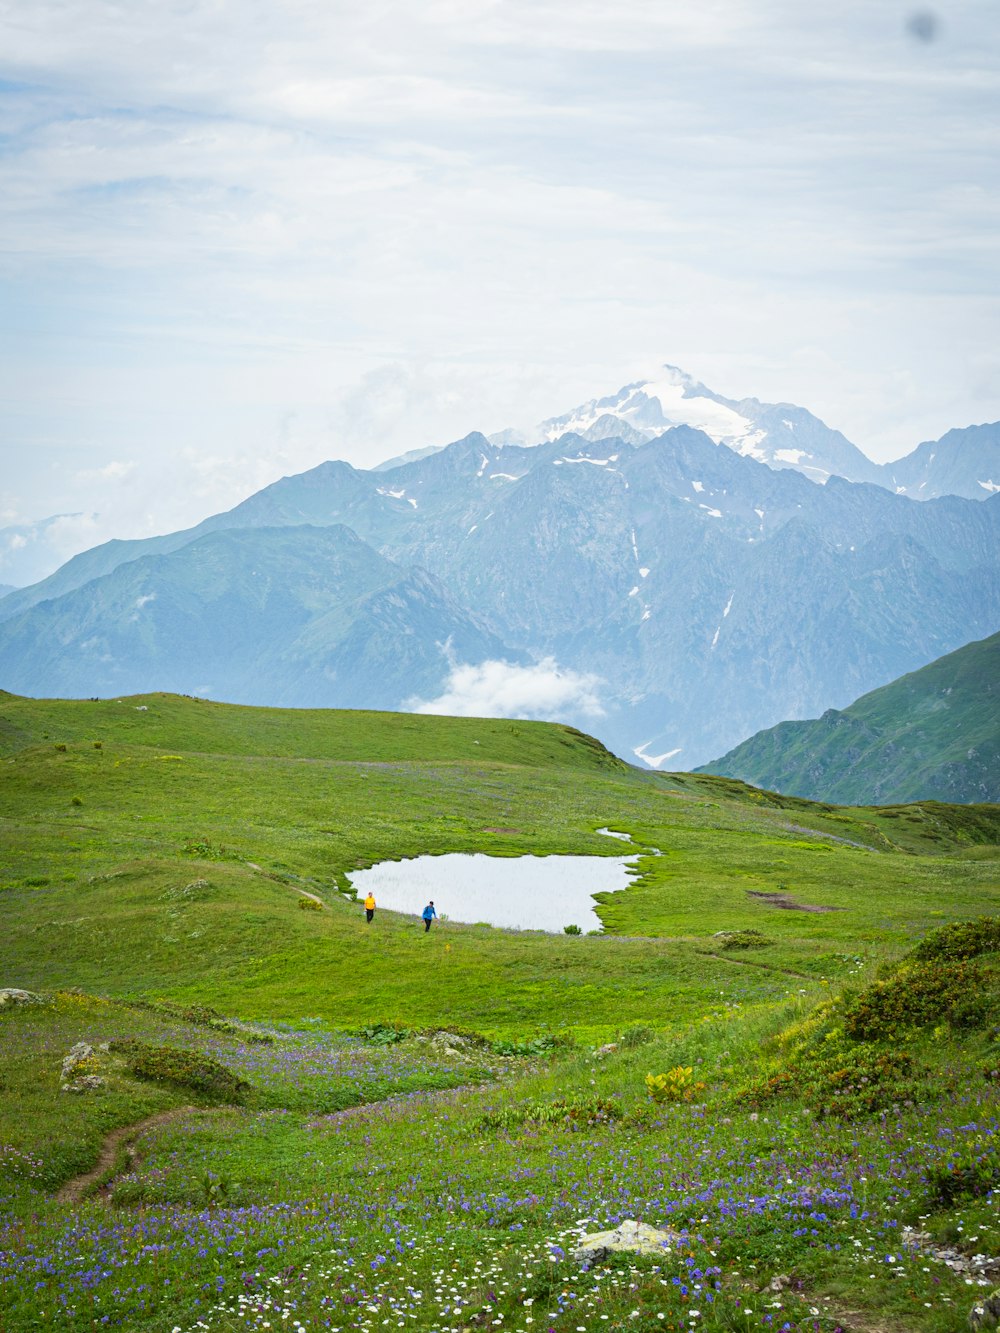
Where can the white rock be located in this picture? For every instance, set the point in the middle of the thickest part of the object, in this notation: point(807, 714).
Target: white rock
point(630, 1236)
point(10, 995)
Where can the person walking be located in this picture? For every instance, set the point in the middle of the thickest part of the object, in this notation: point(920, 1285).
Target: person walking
point(428, 914)
point(369, 907)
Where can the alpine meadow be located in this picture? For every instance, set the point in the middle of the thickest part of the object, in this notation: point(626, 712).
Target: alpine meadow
point(780, 1051)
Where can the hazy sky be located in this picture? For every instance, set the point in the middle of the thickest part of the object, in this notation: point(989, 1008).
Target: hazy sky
point(237, 238)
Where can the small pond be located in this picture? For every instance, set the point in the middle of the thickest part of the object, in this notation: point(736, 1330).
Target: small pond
point(520, 892)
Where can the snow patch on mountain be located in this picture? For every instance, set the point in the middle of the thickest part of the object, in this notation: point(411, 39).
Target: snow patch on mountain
point(396, 495)
point(651, 407)
point(653, 760)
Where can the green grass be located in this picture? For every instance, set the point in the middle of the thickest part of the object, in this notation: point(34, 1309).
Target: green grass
point(931, 733)
point(167, 866)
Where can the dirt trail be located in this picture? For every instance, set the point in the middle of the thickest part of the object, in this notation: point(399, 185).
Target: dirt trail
point(752, 962)
point(72, 1191)
point(833, 837)
point(304, 893)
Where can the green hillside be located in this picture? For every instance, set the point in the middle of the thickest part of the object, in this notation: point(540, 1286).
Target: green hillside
point(298, 1117)
point(932, 735)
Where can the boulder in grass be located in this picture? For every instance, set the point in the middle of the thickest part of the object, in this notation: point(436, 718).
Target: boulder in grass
point(628, 1237)
point(78, 1070)
point(10, 996)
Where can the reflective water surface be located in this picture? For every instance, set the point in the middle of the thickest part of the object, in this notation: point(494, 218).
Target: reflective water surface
point(526, 892)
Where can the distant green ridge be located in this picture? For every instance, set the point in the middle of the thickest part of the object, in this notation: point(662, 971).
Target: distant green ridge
point(934, 734)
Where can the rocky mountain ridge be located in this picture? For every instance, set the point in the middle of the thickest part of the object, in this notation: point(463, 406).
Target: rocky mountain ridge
point(702, 593)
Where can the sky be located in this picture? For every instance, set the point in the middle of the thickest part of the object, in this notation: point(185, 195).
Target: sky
point(238, 238)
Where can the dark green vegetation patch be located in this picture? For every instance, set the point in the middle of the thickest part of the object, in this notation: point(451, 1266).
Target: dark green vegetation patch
point(184, 1069)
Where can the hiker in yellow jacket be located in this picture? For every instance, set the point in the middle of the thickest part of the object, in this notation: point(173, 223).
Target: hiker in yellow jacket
point(369, 907)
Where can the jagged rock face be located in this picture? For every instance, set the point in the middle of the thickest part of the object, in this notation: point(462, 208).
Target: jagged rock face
point(711, 594)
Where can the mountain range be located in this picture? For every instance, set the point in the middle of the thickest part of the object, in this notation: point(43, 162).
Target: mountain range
point(680, 586)
point(932, 735)
point(963, 462)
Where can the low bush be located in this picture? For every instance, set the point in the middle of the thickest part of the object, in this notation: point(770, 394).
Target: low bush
point(843, 1079)
point(915, 997)
point(746, 939)
point(185, 1069)
point(961, 940)
point(210, 851)
point(674, 1086)
point(383, 1034)
point(970, 1172)
point(636, 1034)
point(543, 1044)
point(570, 1113)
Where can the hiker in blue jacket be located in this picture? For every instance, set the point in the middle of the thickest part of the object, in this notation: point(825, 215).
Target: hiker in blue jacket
point(428, 914)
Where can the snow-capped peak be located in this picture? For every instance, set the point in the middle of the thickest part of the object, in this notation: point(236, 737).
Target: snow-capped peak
point(671, 398)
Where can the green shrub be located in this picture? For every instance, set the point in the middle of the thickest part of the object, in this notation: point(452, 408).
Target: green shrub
point(76, 800)
point(185, 1069)
point(210, 851)
point(842, 1079)
point(569, 1113)
point(970, 1172)
point(526, 1047)
point(572, 930)
point(310, 905)
point(383, 1034)
point(636, 1034)
point(746, 939)
point(915, 997)
point(961, 939)
point(673, 1086)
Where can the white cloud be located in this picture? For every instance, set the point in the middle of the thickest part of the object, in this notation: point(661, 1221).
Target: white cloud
point(220, 216)
point(30, 551)
point(543, 692)
point(116, 470)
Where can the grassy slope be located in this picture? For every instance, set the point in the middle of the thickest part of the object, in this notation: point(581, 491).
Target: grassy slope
point(932, 734)
point(94, 890)
point(178, 874)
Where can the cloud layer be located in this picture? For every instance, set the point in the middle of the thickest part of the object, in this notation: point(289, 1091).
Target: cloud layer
point(268, 233)
point(542, 692)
